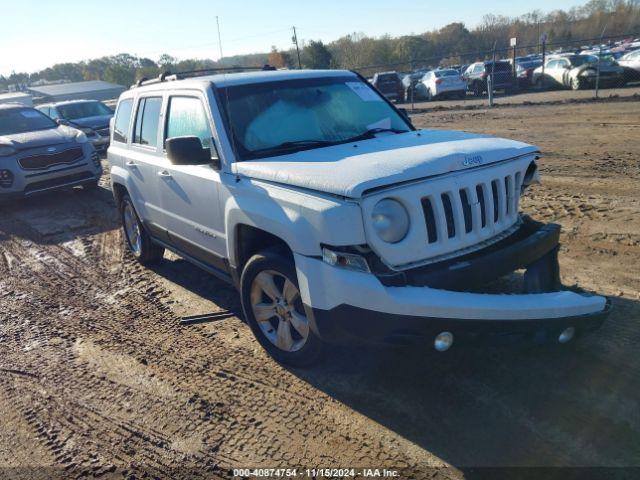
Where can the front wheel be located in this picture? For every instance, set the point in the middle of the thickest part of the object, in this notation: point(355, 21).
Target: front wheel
point(274, 311)
point(576, 84)
point(138, 240)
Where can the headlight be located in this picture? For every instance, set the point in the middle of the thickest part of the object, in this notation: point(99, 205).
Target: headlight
point(81, 137)
point(390, 220)
point(6, 150)
point(589, 73)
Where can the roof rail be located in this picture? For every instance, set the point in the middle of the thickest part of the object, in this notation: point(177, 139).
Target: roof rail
point(168, 76)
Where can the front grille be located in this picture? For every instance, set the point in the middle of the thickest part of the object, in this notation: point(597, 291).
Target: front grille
point(478, 210)
point(46, 160)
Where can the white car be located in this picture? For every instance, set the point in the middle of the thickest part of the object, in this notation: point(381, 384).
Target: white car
point(334, 217)
point(441, 83)
point(631, 64)
point(577, 72)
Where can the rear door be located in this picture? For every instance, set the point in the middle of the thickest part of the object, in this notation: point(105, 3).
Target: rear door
point(142, 161)
point(190, 192)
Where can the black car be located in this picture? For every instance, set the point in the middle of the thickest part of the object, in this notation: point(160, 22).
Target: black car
point(524, 71)
point(390, 85)
point(478, 73)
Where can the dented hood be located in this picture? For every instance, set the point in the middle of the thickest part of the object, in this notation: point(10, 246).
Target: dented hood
point(349, 170)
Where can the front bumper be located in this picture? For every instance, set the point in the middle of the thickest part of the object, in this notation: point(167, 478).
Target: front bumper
point(345, 306)
point(101, 144)
point(86, 171)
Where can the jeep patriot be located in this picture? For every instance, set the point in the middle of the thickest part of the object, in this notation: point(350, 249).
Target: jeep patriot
point(334, 217)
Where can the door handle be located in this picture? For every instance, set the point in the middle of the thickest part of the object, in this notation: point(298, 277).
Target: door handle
point(131, 164)
point(164, 174)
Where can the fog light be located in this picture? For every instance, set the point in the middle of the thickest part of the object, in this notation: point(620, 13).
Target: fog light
point(6, 178)
point(567, 335)
point(443, 341)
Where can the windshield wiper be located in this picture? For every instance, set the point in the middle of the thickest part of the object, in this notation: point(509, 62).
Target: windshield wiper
point(296, 145)
point(371, 133)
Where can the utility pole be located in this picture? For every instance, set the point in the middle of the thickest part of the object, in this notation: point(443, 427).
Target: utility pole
point(295, 42)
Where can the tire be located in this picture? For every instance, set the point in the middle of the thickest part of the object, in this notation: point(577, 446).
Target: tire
point(477, 89)
point(576, 84)
point(91, 186)
point(429, 95)
point(136, 237)
point(269, 288)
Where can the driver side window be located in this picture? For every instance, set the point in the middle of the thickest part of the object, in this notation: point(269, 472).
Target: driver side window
point(186, 116)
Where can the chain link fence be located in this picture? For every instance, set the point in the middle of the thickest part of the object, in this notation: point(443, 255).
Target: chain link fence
point(545, 72)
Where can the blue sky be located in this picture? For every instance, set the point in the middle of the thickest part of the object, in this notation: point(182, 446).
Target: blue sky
point(38, 33)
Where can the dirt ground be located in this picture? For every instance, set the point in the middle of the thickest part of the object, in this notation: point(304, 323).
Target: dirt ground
point(98, 378)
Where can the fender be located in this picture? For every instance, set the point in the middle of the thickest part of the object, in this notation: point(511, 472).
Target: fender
point(303, 220)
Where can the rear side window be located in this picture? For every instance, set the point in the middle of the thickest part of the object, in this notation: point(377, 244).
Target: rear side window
point(187, 117)
point(121, 125)
point(147, 120)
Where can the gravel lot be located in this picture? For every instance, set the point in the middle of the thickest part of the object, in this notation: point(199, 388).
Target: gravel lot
point(97, 377)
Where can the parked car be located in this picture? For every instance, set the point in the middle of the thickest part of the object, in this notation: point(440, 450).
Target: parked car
point(90, 116)
point(524, 72)
point(390, 85)
point(334, 217)
point(577, 72)
point(630, 62)
point(38, 155)
point(409, 82)
point(441, 83)
point(478, 73)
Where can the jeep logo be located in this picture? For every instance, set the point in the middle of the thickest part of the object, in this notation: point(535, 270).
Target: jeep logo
point(472, 161)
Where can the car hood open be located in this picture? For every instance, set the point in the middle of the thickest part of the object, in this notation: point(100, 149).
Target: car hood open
point(350, 170)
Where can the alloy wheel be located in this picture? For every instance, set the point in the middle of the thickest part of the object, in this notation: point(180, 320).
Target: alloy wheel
point(277, 308)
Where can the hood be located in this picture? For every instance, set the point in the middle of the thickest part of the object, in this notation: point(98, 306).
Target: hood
point(40, 138)
point(351, 169)
point(96, 123)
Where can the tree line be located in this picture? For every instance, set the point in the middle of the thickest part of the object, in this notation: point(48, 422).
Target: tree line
point(454, 43)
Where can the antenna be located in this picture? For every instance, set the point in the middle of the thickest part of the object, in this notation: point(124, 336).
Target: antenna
point(226, 94)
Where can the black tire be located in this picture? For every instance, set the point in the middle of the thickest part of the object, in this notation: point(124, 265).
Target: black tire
point(269, 262)
point(576, 84)
point(478, 90)
point(145, 251)
point(90, 186)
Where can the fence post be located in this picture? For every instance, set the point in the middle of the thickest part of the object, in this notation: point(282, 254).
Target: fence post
point(490, 79)
point(544, 60)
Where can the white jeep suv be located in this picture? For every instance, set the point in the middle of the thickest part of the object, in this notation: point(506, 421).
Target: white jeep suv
point(335, 218)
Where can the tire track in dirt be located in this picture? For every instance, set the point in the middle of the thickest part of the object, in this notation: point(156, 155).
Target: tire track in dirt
point(154, 341)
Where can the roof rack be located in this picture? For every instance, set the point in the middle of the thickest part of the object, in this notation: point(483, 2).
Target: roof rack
point(169, 77)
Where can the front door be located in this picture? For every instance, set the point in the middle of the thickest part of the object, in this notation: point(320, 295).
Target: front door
point(190, 193)
point(142, 163)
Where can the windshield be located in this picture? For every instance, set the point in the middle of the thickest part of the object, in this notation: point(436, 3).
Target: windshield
point(73, 111)
point(582, 59)
point(20, 120)
point(276, 118)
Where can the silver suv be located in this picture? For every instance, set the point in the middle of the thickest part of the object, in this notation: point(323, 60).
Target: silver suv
point(38, 155)
point(334, 217)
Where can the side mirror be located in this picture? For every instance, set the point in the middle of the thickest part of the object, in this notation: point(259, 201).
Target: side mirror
point(187, 151)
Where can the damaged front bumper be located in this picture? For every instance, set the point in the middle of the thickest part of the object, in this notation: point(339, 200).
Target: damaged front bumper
point(345, 306)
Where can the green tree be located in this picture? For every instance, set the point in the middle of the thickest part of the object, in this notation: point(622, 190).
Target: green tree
point(316, 55)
